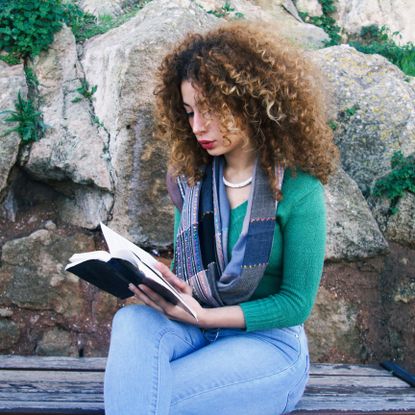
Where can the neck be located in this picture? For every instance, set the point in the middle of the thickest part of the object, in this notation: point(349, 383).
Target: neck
point(239, 165)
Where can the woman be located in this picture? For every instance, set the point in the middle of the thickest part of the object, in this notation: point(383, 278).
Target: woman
point(249, 150)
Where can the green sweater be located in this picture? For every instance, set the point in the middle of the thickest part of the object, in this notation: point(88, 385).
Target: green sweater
point(287, 291)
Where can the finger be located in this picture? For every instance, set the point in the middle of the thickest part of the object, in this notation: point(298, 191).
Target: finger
point(168, 308)
point(171, 277)
point(157, 298)
point(144, 298)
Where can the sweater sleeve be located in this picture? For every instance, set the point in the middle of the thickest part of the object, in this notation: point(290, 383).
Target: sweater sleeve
point(304, 236)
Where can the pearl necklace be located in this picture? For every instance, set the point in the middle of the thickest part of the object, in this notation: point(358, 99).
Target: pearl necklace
point(237, 185)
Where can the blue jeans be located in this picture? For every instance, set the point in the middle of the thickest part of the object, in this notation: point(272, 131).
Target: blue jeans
point(159, 366)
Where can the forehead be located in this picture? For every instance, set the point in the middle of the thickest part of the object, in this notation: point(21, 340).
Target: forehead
point(190, 92)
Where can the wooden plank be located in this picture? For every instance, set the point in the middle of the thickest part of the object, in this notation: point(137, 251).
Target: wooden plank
point(330, 369)
point(10, 362)
point(325, 402)
point(36, 376)
point(358, 381)
point(98, 363)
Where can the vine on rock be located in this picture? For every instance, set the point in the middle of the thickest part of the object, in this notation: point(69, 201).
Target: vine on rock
point(401, 179)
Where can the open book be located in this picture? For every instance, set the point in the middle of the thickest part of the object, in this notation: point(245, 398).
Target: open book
point(125, 263)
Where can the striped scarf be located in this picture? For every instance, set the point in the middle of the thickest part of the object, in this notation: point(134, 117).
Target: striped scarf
point(202, 238)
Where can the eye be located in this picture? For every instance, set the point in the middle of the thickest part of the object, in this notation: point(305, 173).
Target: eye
point(190, 114)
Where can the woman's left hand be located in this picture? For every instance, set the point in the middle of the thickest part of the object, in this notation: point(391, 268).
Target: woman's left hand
point(174, 312)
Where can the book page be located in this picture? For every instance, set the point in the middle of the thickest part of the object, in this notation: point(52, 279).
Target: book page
point(116, 242)
point(85, 256)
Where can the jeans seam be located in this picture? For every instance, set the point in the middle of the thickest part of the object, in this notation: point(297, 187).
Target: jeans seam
point(156, 367)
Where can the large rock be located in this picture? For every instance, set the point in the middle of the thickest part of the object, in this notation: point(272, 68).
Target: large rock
point(10, 334)
point(75, 148)
point(103, 7)
point(32, 274)
point(352, 232)
point(332, 328)
point(277, 14)
point(376, 111)
point(400, 226)
point(57, 342)
point(398, 15)
point(12, 80)
point(122, 63)
point(311, 7)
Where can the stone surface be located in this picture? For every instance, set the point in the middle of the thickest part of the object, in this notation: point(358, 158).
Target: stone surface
point(312, 7)
point(12, 80)
point(332, 326)
point(398, 15)
point(375, 111)
point(56, 342)
point(122, 63)
point(397, 281)
point(276, 14)
point(398, 227)
point(352, 232)
point(102, 7)
point(9, 334)
point(74, 149)
point(32, 273)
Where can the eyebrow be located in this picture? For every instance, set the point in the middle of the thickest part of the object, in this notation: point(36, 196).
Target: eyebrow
point(187, 105)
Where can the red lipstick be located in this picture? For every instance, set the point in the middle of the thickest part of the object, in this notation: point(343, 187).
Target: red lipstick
point(207, 144)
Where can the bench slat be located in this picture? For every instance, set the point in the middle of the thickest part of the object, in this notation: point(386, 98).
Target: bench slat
point(98, 364)
point(10, 362)
point(356, 403)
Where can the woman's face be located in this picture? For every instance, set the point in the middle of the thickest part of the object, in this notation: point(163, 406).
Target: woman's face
point(206, 127)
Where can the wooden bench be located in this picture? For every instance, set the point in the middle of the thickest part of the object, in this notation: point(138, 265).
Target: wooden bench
point(64, 385)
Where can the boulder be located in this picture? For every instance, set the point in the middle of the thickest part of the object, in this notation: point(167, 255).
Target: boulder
point(12, 80)
point(280, 15)
point(398, 15)
point(32, 274)
point(400, 226)
point(352, 232)
point(122, 63)
point(75, 146)
point(311, 7)
point(332, 328)
point(57, 342)
point(375, 111)
point(102, 7)
point(10, 334)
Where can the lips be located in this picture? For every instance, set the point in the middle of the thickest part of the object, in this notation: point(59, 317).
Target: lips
point(207, 144)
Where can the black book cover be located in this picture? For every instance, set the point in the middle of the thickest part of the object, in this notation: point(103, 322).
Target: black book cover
point(115, 275)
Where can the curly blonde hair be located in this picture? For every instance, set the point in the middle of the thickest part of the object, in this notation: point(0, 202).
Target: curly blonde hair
point(253, 80)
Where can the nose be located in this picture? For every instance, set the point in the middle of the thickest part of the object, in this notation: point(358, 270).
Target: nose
point(198, 123)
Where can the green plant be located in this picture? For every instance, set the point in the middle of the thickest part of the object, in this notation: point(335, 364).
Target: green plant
point(85, 25)
point(79, 21)
point(95, 120)
point(373, 39)
point(85, 91)
point(10, 59)
point(31, 79)
point(27, 26)
point(225, 11)
point(351, 110)
point(400, 179)
point(332, 124)
point(325, 21)
point(30, 124)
